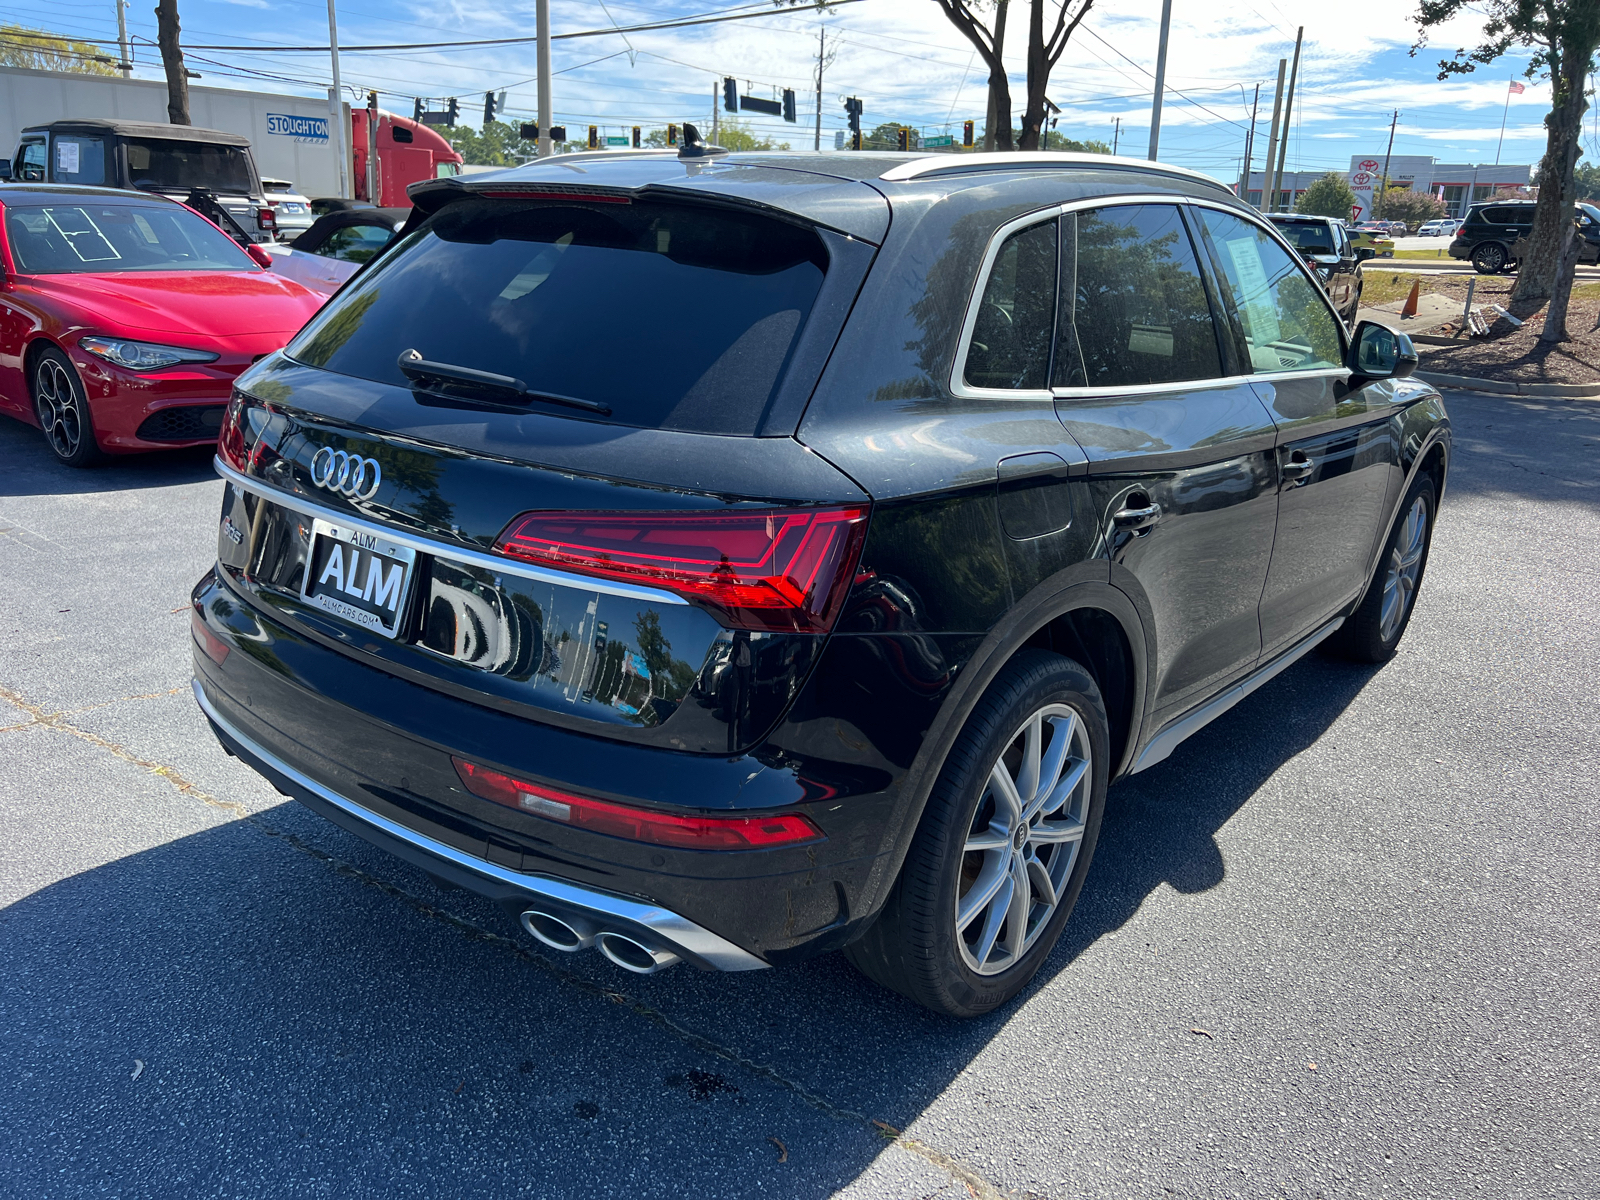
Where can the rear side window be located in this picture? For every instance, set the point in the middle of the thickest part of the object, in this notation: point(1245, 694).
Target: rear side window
point(79, 159)
point(672, 316)
point(1134, 309)
point(1010, 346)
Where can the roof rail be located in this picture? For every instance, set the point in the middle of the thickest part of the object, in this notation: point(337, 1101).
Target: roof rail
point(946, 164)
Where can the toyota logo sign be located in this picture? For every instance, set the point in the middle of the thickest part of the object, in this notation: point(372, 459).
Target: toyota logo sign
point(348, 474)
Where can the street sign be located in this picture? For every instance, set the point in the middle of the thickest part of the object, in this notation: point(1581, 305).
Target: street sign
point(943, 139)
point(617, 141)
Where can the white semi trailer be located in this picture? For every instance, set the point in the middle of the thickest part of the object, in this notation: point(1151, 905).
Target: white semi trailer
point(289, 135)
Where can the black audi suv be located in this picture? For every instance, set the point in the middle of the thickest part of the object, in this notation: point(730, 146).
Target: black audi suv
point(730, 558)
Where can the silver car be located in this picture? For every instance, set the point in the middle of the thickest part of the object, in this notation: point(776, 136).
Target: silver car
point(292, 209)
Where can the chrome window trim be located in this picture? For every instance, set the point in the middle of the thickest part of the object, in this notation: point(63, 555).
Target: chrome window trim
point(460, 554)
point(960, 388)
point(676, 930)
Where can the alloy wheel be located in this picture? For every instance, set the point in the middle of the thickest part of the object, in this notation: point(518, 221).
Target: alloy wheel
point(1024, 839)
point(57, 405)
point(1405, 565)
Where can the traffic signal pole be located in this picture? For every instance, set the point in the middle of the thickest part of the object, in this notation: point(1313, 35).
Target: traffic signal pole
point(1161, 79)
point(542, 16)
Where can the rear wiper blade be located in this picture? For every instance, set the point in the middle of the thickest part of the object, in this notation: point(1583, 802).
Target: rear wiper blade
point(431, 375)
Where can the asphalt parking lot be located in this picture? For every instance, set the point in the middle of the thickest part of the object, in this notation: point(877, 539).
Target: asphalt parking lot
point(1345, 942)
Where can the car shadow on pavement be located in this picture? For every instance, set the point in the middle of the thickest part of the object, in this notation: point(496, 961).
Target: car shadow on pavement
point(1551, 458)
point(28, 468)
point(272, 1007)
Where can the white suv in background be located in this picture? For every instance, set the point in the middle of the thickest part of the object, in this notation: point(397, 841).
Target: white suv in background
point(293, 210)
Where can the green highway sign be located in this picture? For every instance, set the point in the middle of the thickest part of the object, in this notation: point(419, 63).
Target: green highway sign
point(944, 139)
point(618, 141)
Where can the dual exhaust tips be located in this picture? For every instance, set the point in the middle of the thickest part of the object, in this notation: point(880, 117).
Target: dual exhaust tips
point(571, 934)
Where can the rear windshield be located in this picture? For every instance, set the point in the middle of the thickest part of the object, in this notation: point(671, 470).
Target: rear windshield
point(672, 316)
point(58, 239)
point(1304, 234)
point(159, 163)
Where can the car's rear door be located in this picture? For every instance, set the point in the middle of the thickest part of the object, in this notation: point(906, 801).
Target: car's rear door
point(1337, 447)
point(1180, 471)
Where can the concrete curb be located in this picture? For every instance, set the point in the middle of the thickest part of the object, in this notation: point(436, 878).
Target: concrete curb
point(1553, 391)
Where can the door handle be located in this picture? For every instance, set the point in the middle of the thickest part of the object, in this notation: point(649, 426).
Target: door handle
point(1136, 518)
point(1298, 469)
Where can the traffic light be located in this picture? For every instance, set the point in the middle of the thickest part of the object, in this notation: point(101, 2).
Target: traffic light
point(902, 138)
point(488, 107)
point(528, 131)
point(852, 108)
point(730, 94)
point(594, 137)
point(452, 112)
point(966, 133)
point(416, 111)
point(788, 105)
point(672, 135)
point(558, 133)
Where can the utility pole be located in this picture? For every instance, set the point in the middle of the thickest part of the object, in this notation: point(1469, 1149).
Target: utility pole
point(1249, 145)
point(824, 61)
point(1161, 78)
point(542, 65)
point(125, 64)
point(1272, 138)
point(1116, 134)
point(341, 127)
point(1384, 185)
point(1288, 108)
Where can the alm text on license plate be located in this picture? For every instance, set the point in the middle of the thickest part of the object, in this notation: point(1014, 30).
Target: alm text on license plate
point(357, 575)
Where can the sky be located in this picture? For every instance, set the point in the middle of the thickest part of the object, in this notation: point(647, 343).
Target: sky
point(904, 60)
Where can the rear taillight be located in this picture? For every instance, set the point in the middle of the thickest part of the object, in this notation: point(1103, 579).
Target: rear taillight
point(637, 824)
point(266, 218)
point(782, 570)
point(230, 442)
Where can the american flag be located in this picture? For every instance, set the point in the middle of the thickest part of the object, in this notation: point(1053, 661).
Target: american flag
point(1516, 88)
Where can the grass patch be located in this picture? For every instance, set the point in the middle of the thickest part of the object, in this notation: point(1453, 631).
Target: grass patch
point(1380, 287)
point(1441, 252)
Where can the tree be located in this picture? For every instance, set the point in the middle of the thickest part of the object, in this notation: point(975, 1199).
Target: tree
point(1060, 141)
point(737, 135)
point(497, 144)
point(989, 41)
point(42, 50)
point(1330, 196)
point(172, 58)
point(1588, 182)
point(1412, 207)
point(1563, 35)
point(1043, 54)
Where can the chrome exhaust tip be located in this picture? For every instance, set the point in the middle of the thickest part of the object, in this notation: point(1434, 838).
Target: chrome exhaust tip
point(559, 933)
point(635, 956)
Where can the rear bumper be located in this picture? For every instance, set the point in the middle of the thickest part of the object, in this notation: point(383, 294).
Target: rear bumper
point(372, 752)
point(649, 922)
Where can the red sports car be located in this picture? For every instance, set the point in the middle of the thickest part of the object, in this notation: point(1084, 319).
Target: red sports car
point(125, 317)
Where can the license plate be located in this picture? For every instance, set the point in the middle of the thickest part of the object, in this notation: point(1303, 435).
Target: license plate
point(358, 576)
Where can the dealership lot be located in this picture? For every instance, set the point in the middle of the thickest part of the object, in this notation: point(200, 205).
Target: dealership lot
point(1343, 943)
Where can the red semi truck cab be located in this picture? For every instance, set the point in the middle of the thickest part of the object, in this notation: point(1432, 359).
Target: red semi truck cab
point(408, 152)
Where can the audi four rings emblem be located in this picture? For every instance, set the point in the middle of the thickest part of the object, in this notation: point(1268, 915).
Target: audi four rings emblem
point(348, 474)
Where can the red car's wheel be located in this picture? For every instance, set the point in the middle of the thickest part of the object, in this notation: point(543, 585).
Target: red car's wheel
point(63, 410)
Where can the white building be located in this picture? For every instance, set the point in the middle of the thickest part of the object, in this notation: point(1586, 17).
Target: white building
point(1457, 184)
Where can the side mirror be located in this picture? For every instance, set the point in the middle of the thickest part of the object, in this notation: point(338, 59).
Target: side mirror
point(1378, 352)
point(1365, 252)
point(262, 258)
point(5, 168)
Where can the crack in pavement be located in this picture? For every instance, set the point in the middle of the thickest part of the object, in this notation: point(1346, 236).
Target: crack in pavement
point(977, 1186)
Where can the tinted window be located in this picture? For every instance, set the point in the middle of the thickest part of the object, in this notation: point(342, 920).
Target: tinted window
point(30, 168)
point(70, 238)
point(157, 162)
point(1010, 345)
point(1287, 324)
point(1312, 238)
point(355, 243)
point(79, 159)
point(674, 317)
point(1134, 309)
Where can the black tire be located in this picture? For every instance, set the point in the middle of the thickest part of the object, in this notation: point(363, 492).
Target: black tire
point(1489, 258)
point(62, 409)
point(915, 947)
point(1372, 633)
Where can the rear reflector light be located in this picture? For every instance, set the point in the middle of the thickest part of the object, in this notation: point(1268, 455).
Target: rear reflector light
point(230, 442)
point(215, 648)
point(637, 824)
point(783, 570)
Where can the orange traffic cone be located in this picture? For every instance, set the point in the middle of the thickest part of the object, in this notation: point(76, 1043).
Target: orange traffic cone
point(1409, 308)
